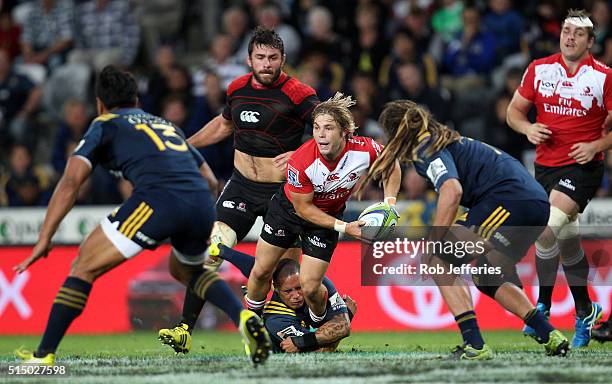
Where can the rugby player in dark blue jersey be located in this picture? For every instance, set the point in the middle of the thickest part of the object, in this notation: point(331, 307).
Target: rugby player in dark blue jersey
point(171, 200)
point(286, 315)
point(508, 210)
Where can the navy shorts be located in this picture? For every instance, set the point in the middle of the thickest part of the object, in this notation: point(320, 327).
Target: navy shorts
point(512, 226)
point(149, 217)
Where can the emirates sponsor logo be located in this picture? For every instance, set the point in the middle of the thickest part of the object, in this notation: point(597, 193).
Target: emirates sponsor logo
point(564, 111)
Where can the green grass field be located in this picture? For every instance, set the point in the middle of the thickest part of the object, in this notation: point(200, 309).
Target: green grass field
point(363, 358)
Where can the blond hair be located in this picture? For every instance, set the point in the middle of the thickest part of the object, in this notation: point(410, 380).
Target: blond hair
point(338, 108)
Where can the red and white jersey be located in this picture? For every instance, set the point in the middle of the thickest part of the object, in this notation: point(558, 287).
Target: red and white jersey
point(573, 107)
point(331, 182)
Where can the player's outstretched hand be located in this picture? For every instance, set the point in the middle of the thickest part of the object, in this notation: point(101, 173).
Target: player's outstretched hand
point(41, 249)
point(280, 161)
point(288, 346)
point(538, 133)
point(353, 229)
point(583, 152)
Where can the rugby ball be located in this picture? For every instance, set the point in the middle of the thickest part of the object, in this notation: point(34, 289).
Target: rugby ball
point(379, 219)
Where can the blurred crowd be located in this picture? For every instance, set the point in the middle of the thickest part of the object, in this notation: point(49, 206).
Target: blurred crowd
point(461, 59)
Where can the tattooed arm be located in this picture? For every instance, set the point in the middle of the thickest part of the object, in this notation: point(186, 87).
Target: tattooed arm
point(334, 330)
point(326, 338)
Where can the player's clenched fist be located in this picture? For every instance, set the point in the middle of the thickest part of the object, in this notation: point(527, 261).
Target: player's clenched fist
point(289, 346)
point(353, 229)
point(537, 133)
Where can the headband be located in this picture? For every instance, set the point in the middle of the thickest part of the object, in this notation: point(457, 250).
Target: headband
point(579, 21)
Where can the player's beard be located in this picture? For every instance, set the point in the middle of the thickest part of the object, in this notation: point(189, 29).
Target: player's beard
point(261, 81)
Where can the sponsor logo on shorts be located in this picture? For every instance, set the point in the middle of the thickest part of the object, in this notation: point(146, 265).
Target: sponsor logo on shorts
point(249, 116)
point(502, 239)
point(229, 204)
point(289, 331)
point(293, 177)
point(241, 207)
point(316, 241)
point(567, 183)
point(268, 228)
point(142, 237)
point(280, 233)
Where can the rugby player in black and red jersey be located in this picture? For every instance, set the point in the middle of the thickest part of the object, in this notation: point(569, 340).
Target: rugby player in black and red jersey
point(267, 111)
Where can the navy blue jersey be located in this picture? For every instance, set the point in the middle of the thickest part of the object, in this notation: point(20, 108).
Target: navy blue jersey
point(483, 171)
point(282, 321)
point(145, 149)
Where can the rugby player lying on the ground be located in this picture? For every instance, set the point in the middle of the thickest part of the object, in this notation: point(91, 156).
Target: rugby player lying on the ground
point(286, 315)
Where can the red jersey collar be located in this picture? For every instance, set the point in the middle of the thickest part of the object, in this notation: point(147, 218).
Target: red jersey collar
point(283, 76)
point(587, 60)
point(331, 165)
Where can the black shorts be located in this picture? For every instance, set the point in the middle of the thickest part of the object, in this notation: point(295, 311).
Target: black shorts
point(242, 200)
point(149, 217)
point(283, 227)
point(579, 181)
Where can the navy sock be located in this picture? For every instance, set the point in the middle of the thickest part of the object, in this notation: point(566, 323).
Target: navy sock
point(538, 322)
point(244, 262)
point(210, 287)
point(469, 329)
point(192, 306)
point(67, 306)
point(547, 274)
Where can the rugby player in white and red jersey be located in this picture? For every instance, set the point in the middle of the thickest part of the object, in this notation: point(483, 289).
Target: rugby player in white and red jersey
point(321, 176)
point(572, 93)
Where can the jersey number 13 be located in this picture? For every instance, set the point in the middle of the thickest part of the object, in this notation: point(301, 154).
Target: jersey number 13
point(164, 136)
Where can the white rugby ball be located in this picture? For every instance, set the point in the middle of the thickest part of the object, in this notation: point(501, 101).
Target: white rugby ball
point(380, 220)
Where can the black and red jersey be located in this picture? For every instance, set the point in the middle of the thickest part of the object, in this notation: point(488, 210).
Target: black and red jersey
point(270, 120)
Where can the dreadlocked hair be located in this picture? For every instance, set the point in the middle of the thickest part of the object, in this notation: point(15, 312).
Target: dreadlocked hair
point(338, 108)
point(409, 127)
